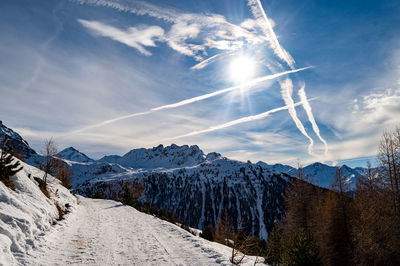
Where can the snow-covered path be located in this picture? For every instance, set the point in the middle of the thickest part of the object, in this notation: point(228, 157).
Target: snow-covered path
point(103, 232)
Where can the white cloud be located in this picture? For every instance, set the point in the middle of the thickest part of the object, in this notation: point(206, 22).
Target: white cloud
point(136, 37)
point(190, 34)
point(380, 107)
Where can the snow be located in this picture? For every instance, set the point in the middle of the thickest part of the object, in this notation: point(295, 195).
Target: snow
point(26, 213)
point(105, 232)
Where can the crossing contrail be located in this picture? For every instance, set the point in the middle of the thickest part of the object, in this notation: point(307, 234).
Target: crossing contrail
point(287, 90)
point(211, 59)
point(259, 13)
point(192, 100)
point(239, 121)
point(307, 108)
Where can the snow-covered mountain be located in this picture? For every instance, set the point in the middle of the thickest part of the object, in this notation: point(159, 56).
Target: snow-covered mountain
point(323, 175)
point(71, 154)
point(173, 156)
point(318, 173)
point(279, 168)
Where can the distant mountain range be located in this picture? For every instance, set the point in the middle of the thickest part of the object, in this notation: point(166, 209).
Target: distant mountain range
point(198, 187)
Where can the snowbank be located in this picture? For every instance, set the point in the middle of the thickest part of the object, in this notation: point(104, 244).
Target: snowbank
point(26, 213)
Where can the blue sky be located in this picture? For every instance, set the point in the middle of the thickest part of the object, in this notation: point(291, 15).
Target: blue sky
point(76, 70)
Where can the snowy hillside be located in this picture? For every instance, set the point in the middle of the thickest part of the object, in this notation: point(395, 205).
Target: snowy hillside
point(26, 214)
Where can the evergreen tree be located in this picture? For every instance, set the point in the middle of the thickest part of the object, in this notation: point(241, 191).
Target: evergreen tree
point(299, 248)
point(8, 168)
point(208, 233)
point(274, 248)
point(333, 229)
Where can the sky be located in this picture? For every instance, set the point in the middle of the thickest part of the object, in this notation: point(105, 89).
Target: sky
point(281, 81)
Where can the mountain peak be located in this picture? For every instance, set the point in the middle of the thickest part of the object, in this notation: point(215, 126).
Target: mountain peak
point(213, 156)
point(72, 154)
point(161, 156)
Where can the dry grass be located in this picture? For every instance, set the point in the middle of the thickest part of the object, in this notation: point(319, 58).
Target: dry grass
point(61, 212)
point(42, 186)
point(9, 183)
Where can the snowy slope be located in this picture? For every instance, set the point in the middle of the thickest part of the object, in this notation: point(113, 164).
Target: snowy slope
point(26, 213)
point(103, 232)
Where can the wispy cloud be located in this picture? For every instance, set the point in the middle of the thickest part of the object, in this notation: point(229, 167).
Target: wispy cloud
point(190, 34)
point(380, 107)
point(136, 37)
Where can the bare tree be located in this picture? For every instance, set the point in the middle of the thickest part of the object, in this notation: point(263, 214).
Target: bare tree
point(64, 174)
point(299, 199)
point(388, 157)
point(50, 164)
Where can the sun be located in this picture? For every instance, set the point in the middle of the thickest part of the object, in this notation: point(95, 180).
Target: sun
point(241, 69)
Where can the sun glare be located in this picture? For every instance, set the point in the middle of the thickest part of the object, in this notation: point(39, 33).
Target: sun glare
point(241, 69)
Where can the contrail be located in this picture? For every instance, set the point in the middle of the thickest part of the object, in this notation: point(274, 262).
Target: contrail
point(239, 121)
point(108, 122)
point(192, 100)
point(258, 12)
point(307, 108)
point(287, 90)
point(209, 60)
